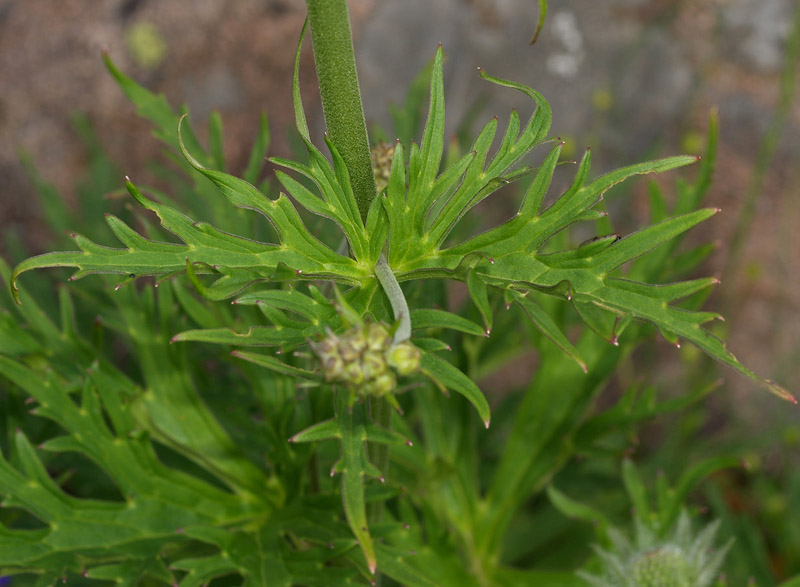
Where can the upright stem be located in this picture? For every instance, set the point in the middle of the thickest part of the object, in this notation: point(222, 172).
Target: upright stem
point(341, 96)
point(344, 118)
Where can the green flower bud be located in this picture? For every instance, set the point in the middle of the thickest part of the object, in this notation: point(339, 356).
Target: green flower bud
point(377, 337)
point(374, 364)
point(382, 385)
point(327, 345)
point(351, 349)
point(381, 156)
point(354, 373)
point(681, 559)
point(404, 358)
point(334, 368)
point(666, 566)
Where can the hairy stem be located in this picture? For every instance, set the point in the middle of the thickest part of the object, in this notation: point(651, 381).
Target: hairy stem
point(341, 96)
point(344, 119)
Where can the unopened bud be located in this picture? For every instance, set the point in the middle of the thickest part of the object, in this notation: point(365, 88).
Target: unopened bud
point(404, 358)
point(374, 364)
point(377, 337)
point(382, 385)
point(354, 373)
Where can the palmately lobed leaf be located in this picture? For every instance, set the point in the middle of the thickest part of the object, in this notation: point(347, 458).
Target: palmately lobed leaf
point(511, 256)
point(205, 246)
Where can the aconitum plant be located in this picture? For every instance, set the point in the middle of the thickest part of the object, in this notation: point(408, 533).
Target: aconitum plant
point(251, 349)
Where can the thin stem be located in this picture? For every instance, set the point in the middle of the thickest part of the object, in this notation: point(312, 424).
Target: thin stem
point(396, 298)
point(341, 96)
point(380, 409)
point(381, 413)
point(347, 129)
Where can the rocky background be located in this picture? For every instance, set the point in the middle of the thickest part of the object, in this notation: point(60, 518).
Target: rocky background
point(633, 79)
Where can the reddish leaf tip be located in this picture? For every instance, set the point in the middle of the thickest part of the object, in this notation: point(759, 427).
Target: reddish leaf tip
point(174, 339)
point(486, 424)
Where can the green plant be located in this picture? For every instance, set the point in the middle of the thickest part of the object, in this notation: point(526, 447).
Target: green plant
point(194, 489)
point(664, 551)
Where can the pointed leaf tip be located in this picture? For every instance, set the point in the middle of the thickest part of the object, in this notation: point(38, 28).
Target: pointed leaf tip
point(780, 391)
point(486, 424)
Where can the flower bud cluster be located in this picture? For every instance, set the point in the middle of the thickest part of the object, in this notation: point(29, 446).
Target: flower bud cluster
point(667, 565)
point(365, 360)
point(382, 155)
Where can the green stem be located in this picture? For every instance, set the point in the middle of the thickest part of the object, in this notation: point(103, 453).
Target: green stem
point(392, 289)
point(380, 409)
point(347, 129)
point(341, 96)
point(381, 413)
